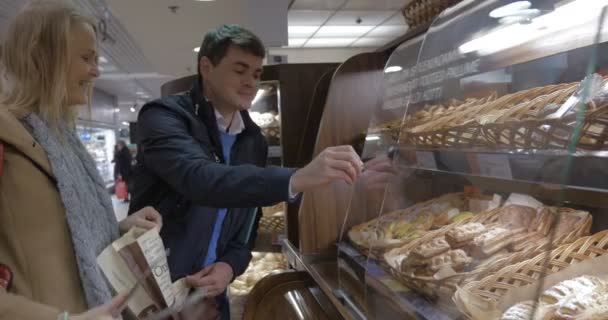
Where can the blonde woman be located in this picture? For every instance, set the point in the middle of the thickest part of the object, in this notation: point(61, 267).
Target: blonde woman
point(55, 214)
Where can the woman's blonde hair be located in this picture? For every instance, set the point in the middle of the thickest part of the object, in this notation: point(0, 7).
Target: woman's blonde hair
point(35, 61)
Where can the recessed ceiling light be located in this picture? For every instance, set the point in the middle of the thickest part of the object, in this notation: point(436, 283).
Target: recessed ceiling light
point(343, 31)
point(372, 137)
point(133, 109)
point(301, 31)
point(124, 123)
point(116, 110)
point(140, 92)
point(103, 59)
point(392, 69)
point(510, 9)
point(196, 49)
point(296, 42)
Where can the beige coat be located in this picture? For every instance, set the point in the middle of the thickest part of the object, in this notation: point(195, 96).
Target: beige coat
point(34, 236)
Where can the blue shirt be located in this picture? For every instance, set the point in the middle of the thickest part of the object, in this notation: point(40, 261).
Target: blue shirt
point(227, 143)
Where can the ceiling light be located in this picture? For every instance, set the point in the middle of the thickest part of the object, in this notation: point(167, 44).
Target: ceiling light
point(196, 49)
point(387, 31)
point(329, 42)
point(103, 59)
point(372, 137)
point(133, 109)
point(301, 31)
point(343, 31)
point(124, 123)
point(541, 27)
point(297, 42)
point(392, 69)
point(510, 9)
point(370, 42)
point(139, 93)
point(116, 110)
point(258, 95)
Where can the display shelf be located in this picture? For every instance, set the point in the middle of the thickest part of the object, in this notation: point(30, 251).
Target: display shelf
point(322, 268)
point(386, 293)
point(543, 168)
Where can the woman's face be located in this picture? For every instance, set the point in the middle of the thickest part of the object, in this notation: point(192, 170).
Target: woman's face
point(83, 65)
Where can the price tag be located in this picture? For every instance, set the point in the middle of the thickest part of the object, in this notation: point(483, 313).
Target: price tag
point(274, 151)
point(394, 285)
point(493, 165)
point(426, 160)
point(349, 251)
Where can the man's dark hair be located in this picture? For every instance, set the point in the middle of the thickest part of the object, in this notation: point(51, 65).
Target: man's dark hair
point(216, 43)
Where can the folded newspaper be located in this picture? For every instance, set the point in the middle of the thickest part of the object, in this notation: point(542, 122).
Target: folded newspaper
point(139, 257)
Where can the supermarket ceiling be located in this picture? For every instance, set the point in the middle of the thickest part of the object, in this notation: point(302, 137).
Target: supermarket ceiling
point(149, 42)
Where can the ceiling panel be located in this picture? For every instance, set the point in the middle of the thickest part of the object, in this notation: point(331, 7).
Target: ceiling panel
point(364, 18)
point(396, 20)
point(307, 17)
point(387, 31)
point(374, 5)
point(296, 42)
point(329, 42)
point(317, 4)
point(343, 31)
point(370, 42)
point(301, 31)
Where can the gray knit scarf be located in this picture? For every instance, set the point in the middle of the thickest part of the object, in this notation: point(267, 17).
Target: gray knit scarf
point(88, 208)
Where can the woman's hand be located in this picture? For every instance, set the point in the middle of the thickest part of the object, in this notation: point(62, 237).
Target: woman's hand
point(146, 218)
point(108, 311)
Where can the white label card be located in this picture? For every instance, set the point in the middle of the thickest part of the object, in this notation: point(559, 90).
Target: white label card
point(426, 160)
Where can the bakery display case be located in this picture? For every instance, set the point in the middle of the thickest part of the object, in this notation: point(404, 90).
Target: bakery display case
point(265, 111)
point(484, 190)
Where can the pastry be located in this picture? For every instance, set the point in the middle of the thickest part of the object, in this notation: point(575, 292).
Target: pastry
point(568, 288)
point(525, 240)
point(591, 306)
point(519, 311)
point(568, 293)
point(463, 234)
point(431, 248)
point(492, 241)
point(570, 219)
point(456, 259)
point(516, 217)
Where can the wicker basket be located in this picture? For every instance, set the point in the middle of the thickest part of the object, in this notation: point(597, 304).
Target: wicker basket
point(510, 120)
point(272, 224)
point(444, 288)
point(375, 250)
point(487, 292)
point(420, 12)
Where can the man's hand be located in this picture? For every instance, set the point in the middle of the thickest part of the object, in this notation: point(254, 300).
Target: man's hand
point(204, 310)
point(214, 278)
point(378, 173)
point(146, 218)
point(334, 163)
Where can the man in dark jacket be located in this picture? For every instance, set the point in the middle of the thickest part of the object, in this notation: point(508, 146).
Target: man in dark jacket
point(201, 165)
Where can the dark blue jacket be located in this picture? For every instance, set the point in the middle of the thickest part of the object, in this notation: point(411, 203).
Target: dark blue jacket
point(181, 172)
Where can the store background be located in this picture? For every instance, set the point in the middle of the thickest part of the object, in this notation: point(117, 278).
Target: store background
point(146, 43)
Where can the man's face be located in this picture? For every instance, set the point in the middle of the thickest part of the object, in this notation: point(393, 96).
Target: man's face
point(233, 81)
